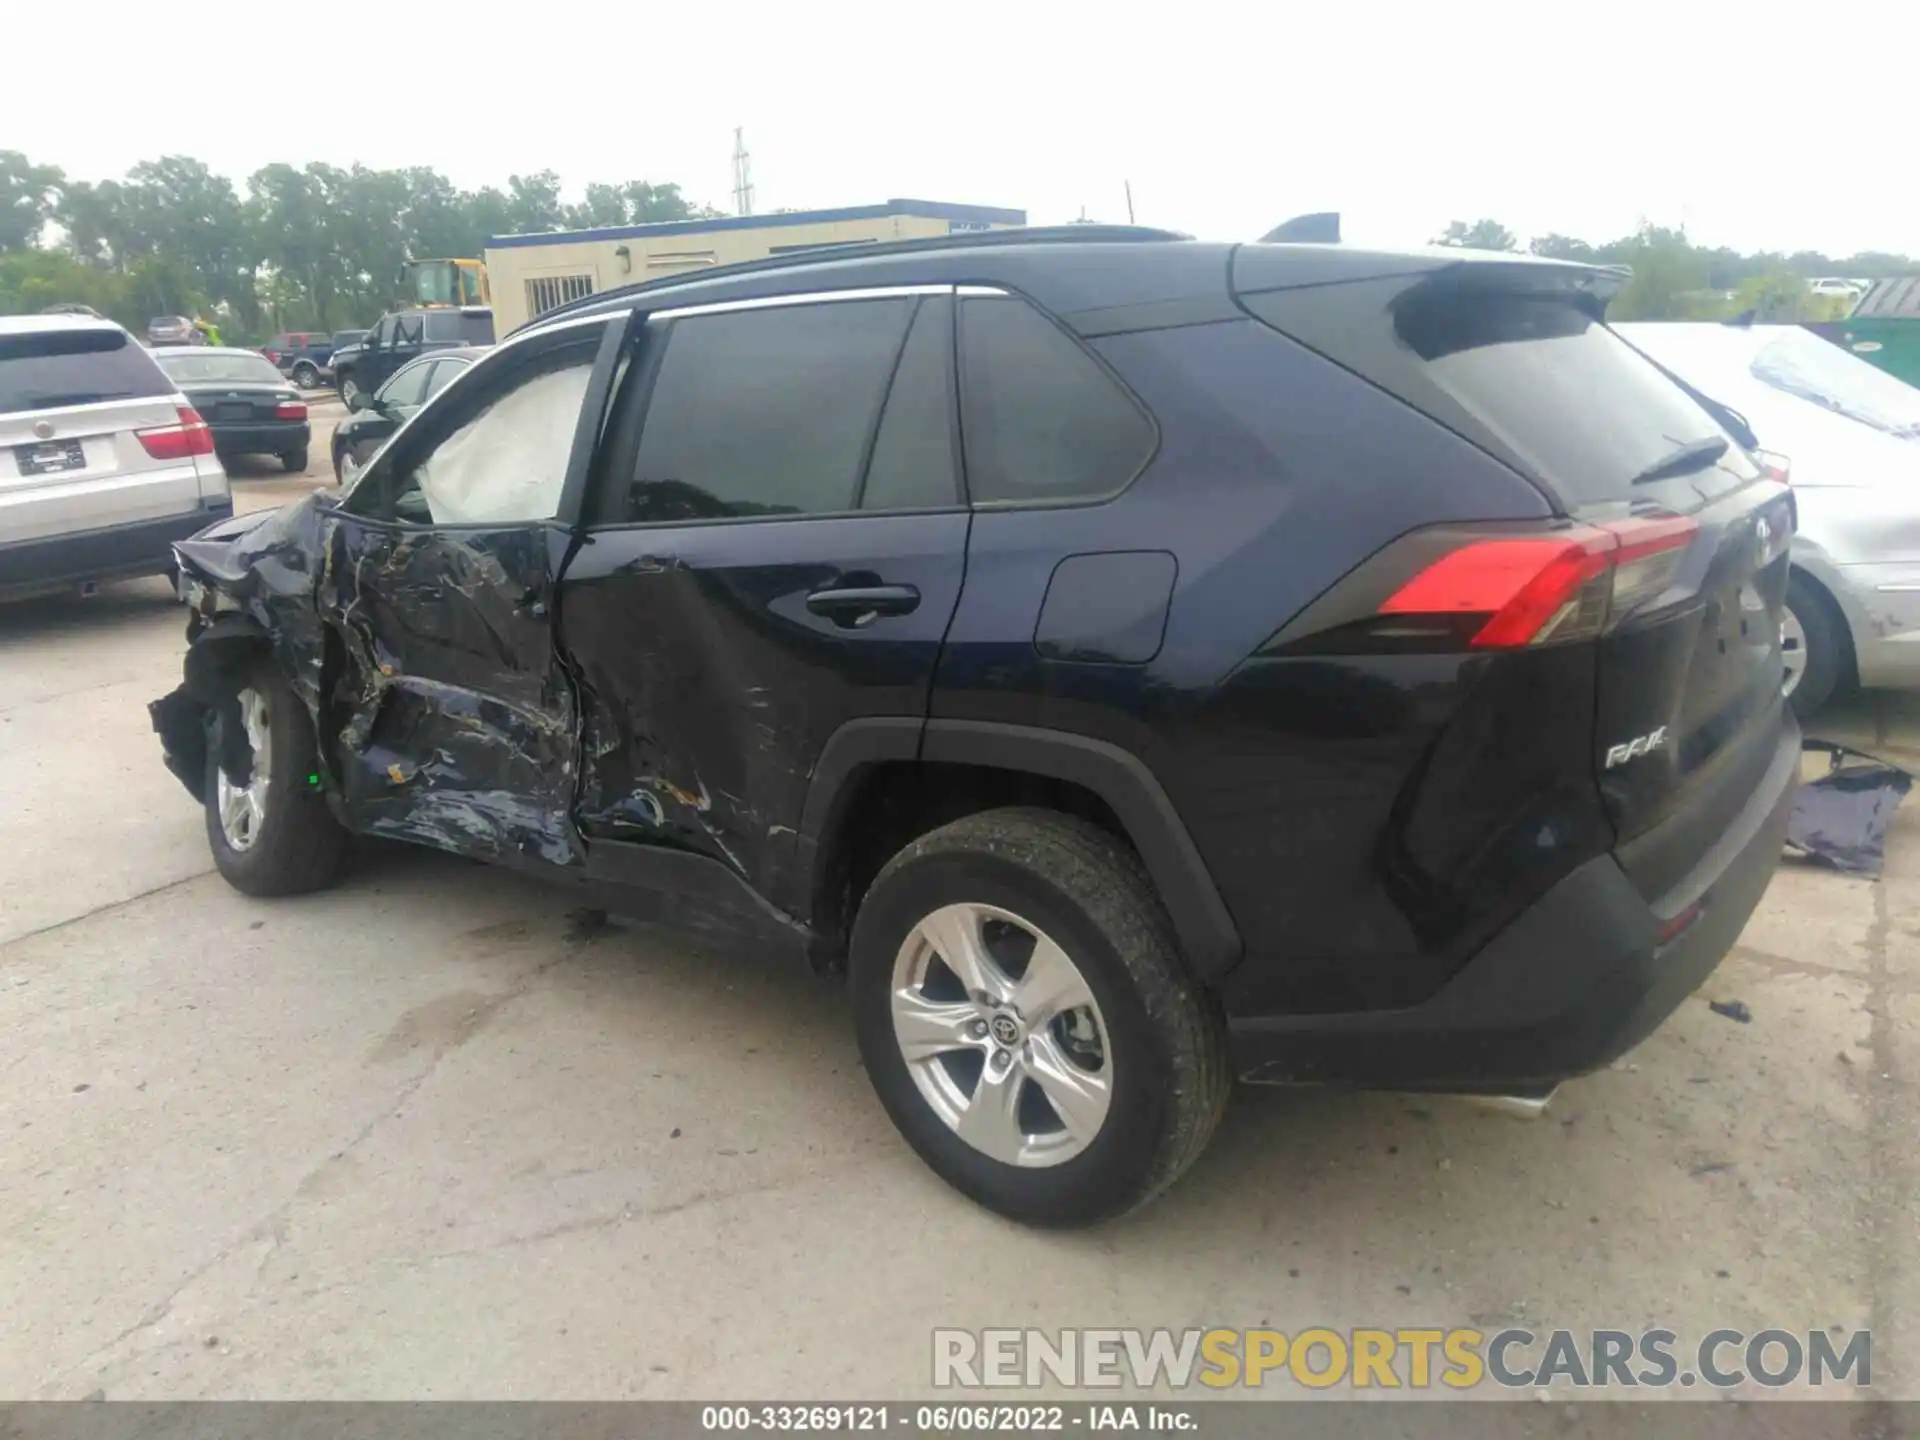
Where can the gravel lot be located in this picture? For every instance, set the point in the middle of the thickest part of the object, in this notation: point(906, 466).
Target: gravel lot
point(424, 1135)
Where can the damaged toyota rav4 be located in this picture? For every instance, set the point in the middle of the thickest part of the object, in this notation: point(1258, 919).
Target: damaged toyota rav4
point(1140, 663)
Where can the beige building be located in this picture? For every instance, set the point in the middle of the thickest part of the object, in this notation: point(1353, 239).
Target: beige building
point(531, 274)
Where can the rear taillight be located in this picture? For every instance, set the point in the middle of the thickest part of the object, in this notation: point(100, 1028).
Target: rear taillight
point(177, 442)
point(1514, 591)
point(1775, 466)
point(272, 355)
point(290, 410)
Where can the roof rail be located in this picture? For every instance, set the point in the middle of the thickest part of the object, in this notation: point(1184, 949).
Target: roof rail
point(970, 240)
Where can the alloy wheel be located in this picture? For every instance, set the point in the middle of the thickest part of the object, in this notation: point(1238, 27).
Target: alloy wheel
point(243, 808)
point(1002, 1035)
point(1793, 651)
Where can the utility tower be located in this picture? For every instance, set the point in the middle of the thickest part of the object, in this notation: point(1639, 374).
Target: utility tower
point(742, 174)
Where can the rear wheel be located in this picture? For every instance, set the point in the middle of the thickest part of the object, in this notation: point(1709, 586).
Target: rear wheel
point(1026, 1019)
point(267, 822)
point(306, 375)
point(295, 461)
point(1812, 648)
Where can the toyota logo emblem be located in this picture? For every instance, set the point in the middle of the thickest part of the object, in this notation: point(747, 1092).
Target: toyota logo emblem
point(43, 429)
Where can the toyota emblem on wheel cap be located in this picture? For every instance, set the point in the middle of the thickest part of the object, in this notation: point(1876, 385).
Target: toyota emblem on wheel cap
point(1005, 1029)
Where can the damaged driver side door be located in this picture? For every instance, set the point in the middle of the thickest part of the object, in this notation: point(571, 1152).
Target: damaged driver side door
point(446, 715)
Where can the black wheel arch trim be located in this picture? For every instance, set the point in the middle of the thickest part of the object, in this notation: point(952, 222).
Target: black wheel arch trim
point(1121, 779)
point(218, 653)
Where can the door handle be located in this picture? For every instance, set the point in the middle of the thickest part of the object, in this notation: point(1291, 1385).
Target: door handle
point(855, 606)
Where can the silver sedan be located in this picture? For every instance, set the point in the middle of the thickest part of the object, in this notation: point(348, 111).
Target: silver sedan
point(1850, 434)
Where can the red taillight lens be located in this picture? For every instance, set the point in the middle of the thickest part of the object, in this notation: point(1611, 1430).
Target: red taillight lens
point(273, 355)
point(290, 410)
point(1536, 589)
point(1777, 466)
point(177, 442)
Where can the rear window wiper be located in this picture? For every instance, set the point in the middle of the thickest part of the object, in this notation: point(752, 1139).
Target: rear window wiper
point(1694, 455)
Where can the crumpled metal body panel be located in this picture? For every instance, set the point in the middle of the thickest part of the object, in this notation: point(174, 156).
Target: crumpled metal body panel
point(425, 659)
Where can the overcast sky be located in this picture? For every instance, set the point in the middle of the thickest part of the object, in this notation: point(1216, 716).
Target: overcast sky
point(1780, 133)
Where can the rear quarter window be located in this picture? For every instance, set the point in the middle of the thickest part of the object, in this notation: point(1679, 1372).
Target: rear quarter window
point(76, 367)
point(1041, 419)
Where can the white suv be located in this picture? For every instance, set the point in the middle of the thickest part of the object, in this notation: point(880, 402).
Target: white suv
point(103, 464)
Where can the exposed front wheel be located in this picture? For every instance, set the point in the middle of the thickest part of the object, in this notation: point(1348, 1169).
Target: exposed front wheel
point(306, 375)
point(1027, 1021)
point(267, 822)
point(349, 388)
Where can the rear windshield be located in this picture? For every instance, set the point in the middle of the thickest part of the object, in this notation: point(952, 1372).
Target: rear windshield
point(75, 367)
point(1801, 363)
point(1583, 410)
point(191, 369)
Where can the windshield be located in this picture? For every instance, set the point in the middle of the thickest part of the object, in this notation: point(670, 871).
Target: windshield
point(191, 369)
point(1803, 364)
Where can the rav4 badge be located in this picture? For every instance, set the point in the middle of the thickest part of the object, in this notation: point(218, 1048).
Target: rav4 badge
point(1640, 745)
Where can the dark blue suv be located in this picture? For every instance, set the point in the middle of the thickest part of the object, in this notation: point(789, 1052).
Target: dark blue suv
point(1138, 662)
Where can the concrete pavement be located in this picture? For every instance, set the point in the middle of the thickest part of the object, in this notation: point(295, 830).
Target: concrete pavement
point(425, 1135)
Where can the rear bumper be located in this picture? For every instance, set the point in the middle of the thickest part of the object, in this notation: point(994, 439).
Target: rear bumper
point(33, 567)
point(1575, 981)
point(262, 437)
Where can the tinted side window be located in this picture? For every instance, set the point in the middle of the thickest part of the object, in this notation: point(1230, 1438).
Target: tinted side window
point(383, 332)
point(408, 387)
point(1043, 420)
point(762, 412)
point(443, 325)
point(912, 466)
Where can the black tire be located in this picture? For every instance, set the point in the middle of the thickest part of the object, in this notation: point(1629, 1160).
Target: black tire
point(346, 385)
point(299, 845)
point(1090, 894)
point(306, 375)
point(1828, 658)
point(295, 461)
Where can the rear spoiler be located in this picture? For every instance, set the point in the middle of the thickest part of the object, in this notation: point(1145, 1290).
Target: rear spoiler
point(1319, 228)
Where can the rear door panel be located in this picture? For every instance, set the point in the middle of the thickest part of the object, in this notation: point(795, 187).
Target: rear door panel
point(713, 688)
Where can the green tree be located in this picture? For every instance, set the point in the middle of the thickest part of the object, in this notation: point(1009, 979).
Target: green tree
point(1669, 278)
point(27, 195)
point(31, 280)
point(1480, 235)
point(94, 219)
point(1562, 247)
point(533, 203)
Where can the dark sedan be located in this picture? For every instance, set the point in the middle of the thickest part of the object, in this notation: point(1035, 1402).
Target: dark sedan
point(250, 406)
point(376, 416)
